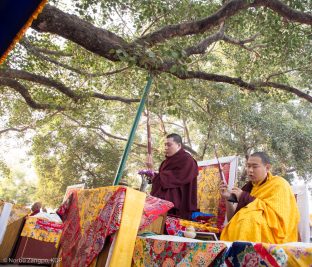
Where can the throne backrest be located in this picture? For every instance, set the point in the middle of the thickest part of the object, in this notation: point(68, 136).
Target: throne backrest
point(208, 196)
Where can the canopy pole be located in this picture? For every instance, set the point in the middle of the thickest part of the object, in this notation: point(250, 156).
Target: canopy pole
point(124, 157)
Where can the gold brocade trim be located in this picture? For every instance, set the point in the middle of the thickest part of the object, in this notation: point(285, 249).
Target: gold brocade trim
point(23, 30)
point(199, 226)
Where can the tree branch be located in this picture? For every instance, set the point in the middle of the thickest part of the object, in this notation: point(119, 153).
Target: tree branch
point(20, 74)
point(215, 78)
point(105, 43)
point(201, 47)
point(71, 27)
point(35, 51)
point(23, 91)
point(285, 11)
point(284, 72)
point(288, 89)
point(189, 28)
point(242, 43)
point(46, 51)
point(239, 82)
point(16, 129)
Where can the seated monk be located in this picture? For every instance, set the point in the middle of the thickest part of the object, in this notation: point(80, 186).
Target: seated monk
point(266, 211)
point(177, 179)
point(35, 208)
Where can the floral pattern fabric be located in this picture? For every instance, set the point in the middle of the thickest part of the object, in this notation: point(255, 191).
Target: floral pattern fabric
point(91, 215)
point(173, 226)
point(153, 207)
point(179, 251)
point(43, 230)
point(176, 226)
point(153, 252)
point(295, 255)
point(82, 241)
point(246, 254)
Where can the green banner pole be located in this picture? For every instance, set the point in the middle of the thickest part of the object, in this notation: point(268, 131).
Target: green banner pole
point(124, 157)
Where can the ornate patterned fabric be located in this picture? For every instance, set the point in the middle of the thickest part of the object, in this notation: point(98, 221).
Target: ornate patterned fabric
point(153, 207)
point(296, 254)
point(243, 254)
point(208, 195)
point(43, 230)
point(91, 215)
point(154, 252)
point(84, 238)
point(168, 250)
point(176, 226)
point(91, 202)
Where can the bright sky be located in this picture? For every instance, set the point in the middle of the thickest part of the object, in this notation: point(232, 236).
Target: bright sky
point(14, 153)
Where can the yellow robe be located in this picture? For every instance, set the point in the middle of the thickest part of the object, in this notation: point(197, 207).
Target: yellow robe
point(272, 217)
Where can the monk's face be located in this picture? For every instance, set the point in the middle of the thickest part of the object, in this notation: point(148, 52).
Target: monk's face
point(257, 171)
point(171, 147)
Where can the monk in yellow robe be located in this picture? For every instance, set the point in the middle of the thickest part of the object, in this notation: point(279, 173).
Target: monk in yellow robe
point(266, 211)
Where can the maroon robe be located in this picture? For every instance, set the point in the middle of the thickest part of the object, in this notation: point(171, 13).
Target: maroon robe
point(177, 182)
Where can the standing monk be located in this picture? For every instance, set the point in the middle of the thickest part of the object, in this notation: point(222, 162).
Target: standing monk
point(177, 178)
point(266, 211)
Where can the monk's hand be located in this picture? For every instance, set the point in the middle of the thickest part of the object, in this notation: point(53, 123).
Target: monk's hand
point(225, 193)
point(237, 192)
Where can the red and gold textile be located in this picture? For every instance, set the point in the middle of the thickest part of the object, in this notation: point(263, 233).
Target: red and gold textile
point(42, 230)
point(176, 226)
point(208, 195)
point(153, 207)
point(85, 231)
point(153, 251)
point(91, 215)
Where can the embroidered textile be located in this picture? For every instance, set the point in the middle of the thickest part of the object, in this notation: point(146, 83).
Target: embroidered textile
point(91, 202)
point(153, 252)
point(243, 254)
point(295, 255)
point(42, 230)
point(174, 227)
point(91, 215)
point(209, 198)
point(80, 248)
point(153, 207)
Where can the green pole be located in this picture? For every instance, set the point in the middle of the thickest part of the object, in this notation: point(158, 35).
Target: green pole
point(124, 157)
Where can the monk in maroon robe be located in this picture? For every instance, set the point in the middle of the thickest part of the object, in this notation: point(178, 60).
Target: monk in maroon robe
point(177, 179)
point(35, 208)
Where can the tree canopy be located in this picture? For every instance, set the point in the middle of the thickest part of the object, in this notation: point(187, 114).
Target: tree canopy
point(237, 73)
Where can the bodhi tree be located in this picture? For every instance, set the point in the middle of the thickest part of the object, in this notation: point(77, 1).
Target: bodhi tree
point(219, 68)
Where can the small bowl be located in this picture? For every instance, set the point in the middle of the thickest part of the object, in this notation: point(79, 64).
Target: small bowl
point(189, 234)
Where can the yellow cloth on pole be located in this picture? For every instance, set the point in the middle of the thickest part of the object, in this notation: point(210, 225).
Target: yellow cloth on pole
point(130, 222)
point(272, 217)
